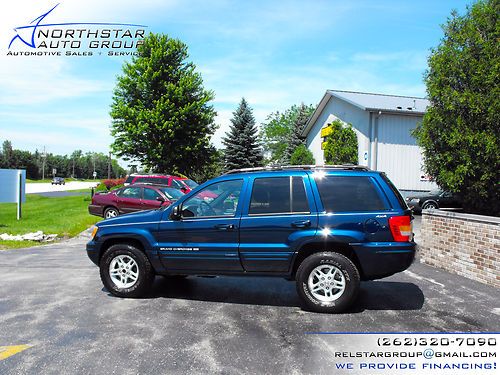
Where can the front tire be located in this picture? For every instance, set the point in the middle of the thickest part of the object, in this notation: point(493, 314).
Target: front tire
point(327, 282)
point(126, 271)
point(430, 206)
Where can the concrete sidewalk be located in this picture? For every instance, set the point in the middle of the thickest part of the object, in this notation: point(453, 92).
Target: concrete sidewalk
point(36, 187)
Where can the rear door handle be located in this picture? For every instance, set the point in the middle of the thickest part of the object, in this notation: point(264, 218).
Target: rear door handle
point(301, 224)
point(224, 226)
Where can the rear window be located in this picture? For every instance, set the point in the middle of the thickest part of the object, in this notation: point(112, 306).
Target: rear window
point(395, 191)
point(129, 179)
point(151, 180)
point(190, 183)
point(349, 194)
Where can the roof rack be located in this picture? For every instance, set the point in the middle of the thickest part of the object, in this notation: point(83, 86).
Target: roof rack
point(292, 167)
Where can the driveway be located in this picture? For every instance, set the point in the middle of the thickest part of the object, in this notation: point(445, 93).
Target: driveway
point(52, 299)
point(36, 187)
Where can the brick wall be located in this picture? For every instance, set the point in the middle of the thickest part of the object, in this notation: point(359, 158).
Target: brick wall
point(464, 244)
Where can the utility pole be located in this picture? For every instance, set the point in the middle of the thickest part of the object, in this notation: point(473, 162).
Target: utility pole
point(93, 159)
point(109, 166)
point(44, 156)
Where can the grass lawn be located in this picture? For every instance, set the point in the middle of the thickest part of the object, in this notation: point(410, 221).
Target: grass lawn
point(64, 216)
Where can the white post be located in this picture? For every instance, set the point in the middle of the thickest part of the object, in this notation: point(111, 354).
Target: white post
point(19, 194)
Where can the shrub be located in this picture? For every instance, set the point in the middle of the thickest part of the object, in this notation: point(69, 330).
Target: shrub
point(113, 182)
point(341, 144)
point(302, 156)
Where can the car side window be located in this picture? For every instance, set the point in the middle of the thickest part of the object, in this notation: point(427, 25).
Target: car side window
point(131, 192)
point(150, 194)
point(278, 195)
point(218, 199)
point(349, 194)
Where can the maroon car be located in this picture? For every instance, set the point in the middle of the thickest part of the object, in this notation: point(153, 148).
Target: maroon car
point(132, 198)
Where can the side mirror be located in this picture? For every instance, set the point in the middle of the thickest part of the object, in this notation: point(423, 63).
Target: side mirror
point(160, 199)
point(176, 213)
point(184, 190)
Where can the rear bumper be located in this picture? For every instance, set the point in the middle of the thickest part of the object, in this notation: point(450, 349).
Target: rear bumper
point(382, 259)
point(95, 210)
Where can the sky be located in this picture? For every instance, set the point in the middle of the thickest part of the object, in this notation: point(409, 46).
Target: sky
point(273, 53)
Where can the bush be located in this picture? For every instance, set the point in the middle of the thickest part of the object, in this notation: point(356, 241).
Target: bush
point(113, 182)
point(341, 145)
point(302, 156)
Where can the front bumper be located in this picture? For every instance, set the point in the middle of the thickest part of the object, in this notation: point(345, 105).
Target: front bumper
point(93, 252)
point(382, 259)
point(414, 206)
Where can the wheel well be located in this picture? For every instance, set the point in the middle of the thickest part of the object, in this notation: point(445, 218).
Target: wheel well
point(125, 241)
point(318, 247)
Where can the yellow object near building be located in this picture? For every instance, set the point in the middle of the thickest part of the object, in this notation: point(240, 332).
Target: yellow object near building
point(323, 145)
point(326, 131)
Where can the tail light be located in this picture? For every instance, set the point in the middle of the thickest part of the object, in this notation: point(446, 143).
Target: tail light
point(401, 228)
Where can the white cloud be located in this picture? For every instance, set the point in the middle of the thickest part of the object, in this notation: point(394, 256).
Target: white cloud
point(34, 80)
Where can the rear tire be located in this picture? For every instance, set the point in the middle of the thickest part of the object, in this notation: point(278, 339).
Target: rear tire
point(111, 212)
point(126, 271)
point(327, 282)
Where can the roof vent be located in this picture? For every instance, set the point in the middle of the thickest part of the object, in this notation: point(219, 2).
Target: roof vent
point(409, 108)
point(399, 107)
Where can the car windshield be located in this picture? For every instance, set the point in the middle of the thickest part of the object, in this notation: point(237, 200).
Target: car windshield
point(171, 193)
point(435, 192)
point(190, 183)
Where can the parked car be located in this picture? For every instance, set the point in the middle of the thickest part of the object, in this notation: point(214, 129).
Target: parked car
point(58, 181)
point(181, 183)
point(433, 200)
point(137, 197)
point(325, 227)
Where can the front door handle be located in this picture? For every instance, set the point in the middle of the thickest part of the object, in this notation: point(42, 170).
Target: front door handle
point(224, 226)
point(301, 224)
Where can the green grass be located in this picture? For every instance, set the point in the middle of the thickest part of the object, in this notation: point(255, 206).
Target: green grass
point(64, 216)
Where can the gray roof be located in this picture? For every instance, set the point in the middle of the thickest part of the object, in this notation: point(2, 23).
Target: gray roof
point(381, 102)
point(407, 105)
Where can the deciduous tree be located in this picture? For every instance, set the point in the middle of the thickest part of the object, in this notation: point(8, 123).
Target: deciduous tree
point(460, 133)
point(161, 112)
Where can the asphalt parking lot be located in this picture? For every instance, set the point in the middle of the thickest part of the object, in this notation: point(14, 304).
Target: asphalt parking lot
point(52, 299)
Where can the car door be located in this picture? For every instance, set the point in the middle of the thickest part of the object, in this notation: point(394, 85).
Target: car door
point(278, 218)
point(129, 199)
point(205, 238)
point(150, 199)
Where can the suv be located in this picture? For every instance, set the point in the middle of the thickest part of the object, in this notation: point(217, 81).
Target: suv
point(325, 227)
point(183, 184)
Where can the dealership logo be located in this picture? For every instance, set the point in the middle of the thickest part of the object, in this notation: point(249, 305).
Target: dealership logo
point(76, 38)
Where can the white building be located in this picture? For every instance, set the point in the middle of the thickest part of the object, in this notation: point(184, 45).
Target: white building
point(383, 124)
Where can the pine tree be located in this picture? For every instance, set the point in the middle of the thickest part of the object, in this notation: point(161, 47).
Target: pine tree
point(296, 139)
point(242, 148)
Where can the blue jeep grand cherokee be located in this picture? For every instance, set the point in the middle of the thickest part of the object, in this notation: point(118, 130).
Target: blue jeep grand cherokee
point(325, 227)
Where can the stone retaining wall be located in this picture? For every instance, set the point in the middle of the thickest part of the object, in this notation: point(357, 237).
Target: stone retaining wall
point(464, 244)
